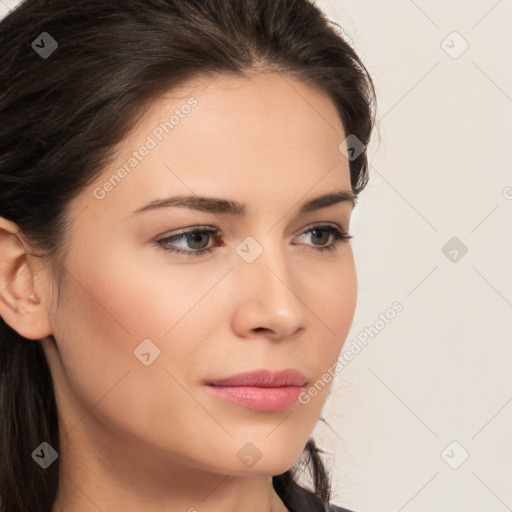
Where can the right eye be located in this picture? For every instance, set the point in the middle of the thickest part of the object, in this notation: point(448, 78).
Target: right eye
point(192, 236)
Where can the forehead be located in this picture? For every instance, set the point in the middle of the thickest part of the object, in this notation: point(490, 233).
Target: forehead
point(265, 135)
point(262, 112)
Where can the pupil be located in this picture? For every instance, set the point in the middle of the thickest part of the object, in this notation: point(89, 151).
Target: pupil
point(196, 237)
point(317, 231)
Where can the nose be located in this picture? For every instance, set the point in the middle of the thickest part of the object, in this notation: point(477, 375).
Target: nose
point(270, 300)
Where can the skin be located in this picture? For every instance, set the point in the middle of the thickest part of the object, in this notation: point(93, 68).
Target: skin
point(150, 438)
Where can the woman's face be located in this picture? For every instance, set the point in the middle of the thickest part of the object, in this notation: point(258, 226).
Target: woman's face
point(139, 330)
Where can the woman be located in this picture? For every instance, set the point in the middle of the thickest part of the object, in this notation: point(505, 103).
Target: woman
point(176, 278)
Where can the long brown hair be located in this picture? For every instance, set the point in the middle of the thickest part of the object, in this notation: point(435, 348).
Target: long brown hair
point(62, 115)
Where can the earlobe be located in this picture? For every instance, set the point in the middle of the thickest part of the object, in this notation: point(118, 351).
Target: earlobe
point(20, 306)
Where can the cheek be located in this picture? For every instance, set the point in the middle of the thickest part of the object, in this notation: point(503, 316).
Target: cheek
point(332, 302)
point(113, 302)
point(105, 312)
point(128, 296)
point(344, 299)
point(332, 298)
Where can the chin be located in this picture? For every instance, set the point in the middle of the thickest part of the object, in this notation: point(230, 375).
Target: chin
point(275, 461)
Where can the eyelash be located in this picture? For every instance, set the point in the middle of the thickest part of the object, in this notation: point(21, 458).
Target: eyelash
point(339, 236)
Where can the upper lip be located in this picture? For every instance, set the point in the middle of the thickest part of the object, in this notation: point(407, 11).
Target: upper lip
point(263, 379)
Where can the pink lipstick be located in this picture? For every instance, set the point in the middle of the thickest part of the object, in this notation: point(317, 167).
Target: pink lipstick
point(261, 390)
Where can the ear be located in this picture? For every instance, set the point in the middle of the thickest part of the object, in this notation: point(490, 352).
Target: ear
point(20, 306)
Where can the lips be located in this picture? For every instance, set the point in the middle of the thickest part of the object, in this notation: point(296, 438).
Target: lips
point(263, 379)
point(260, 390)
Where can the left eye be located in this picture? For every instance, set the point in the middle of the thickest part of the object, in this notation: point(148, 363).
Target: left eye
point(194, 237)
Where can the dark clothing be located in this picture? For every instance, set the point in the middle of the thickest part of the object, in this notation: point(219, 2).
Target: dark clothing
point(306, 501)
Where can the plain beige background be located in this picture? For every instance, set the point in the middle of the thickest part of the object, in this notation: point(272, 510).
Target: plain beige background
point(440, 370)
point(420, 418)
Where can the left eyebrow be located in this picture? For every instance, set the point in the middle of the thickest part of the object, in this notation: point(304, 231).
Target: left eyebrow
point(228, 207)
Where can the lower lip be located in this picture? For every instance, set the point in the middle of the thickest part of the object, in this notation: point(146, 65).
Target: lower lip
point(261, 399)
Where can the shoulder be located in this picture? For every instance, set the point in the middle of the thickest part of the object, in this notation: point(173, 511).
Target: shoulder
point(303, 500)
point(334, 508)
